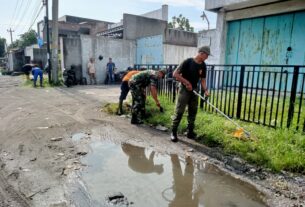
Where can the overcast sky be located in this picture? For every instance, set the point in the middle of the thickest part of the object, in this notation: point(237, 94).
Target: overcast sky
point(20, 14)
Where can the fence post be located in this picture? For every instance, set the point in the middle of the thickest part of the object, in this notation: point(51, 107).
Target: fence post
point(211, 86)
point(293, 94)
point(240, 91)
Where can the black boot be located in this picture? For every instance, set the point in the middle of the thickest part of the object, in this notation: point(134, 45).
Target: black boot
point(191, 134)
point(120, 109)
point(174, 137)
point(135, 120)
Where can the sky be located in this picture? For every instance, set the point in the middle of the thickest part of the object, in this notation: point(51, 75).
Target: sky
point(21, 15)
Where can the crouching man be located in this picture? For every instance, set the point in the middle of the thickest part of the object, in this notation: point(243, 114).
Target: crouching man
point(138, 84)
point(36, 71)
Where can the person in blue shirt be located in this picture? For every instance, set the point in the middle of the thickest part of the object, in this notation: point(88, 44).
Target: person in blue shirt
point(36, 71)
point(110, 70)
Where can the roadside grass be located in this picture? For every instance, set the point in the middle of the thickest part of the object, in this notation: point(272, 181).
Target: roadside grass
point(260, 108)
point(46, 84)
point(277, 149)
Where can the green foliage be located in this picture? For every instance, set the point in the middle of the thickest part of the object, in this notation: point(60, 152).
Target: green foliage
point(2, 46)
point(277, 149)
point(181, 23)
point(26, 39)
point(29, 83)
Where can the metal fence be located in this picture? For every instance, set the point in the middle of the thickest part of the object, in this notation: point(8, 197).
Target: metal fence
point(271, 95)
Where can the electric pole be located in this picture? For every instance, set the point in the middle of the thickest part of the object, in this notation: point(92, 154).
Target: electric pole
point(46, 20)
point(55, 41)
point(11, 33)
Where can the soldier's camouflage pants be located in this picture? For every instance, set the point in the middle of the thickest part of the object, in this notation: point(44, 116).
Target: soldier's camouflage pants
point(189, 99)
point(138, 101)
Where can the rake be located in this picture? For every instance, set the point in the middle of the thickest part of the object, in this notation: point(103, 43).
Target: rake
point(240, 130)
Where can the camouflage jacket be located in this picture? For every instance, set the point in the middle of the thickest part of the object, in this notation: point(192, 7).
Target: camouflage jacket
point(144, 78)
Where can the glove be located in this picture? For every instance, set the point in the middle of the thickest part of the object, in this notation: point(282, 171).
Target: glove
point(161, 109)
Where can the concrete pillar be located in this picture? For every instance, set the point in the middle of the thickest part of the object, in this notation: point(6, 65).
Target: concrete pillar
point(165, 12)
point(221, 34)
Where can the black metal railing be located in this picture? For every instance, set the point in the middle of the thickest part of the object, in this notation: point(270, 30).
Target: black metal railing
point(270, 95)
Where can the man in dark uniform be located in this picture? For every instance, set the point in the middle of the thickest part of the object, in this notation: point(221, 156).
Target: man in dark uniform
point(138, 84)
point(188, 74)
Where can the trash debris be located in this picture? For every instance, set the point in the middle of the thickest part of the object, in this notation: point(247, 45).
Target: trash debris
point(56, 139)
point(82, 153)
point(190, 150)
point(205, 158)
point(162, 128)
point(117, 198)
point(42, 127)
point(33, 159)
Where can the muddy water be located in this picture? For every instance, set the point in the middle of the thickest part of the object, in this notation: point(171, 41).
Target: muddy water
point(150, 179)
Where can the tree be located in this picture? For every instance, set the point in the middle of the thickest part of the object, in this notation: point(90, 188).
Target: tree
point(180, 23)
point(26, 39)
point(2, 46)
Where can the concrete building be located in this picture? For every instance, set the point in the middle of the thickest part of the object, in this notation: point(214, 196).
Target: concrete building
point(73, 26)
point(137, 39)
point(263, 32)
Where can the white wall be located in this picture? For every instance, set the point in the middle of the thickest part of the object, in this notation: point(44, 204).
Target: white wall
point(209, 38)
point(216, 39)
point(161, 14)
point(122, 53)
point(176, 54)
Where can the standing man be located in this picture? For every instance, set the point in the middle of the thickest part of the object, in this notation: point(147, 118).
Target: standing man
point(188, 74)
point(91, 71)
point(138, 84)
point(110, 71)
point(125, 88)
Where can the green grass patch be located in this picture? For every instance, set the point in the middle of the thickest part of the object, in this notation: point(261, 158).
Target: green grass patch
point(277, 149)
point(29, 83)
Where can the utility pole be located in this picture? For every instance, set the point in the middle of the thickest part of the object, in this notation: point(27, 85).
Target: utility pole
point(11, 32)
point(55, 41)
point(46, 20)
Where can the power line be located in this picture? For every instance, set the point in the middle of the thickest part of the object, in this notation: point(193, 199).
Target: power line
point(33, 16)
point(14, 12)
point(36, 17)
point(23, 14)
point(18, 11)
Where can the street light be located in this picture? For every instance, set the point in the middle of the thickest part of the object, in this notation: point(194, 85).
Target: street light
point(204, 16)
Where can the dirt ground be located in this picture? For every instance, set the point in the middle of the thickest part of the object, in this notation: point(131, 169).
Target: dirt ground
point(38, 156)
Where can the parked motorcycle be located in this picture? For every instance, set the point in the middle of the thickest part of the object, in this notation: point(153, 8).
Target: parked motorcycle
point(69, 77)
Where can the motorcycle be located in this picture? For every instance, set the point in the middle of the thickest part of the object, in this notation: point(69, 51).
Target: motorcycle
point(69, 77)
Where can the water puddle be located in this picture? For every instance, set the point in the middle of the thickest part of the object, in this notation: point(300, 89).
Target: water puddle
point(148, 178)
point(78, 136)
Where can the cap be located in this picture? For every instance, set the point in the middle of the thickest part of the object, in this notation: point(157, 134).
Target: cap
point(205, 49)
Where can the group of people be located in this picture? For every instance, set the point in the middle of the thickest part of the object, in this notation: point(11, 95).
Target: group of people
point(188, 73)
point(91, 71)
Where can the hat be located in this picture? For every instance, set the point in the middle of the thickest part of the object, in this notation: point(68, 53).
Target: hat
point(205, 49)
point(163, 71)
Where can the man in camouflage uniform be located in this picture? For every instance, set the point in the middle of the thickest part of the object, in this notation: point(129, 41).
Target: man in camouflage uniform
point(138, 84)
point(188, 73)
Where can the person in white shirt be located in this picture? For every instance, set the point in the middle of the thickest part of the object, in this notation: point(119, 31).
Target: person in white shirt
point(91, 71)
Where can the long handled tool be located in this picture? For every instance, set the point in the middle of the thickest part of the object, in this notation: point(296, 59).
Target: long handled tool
point(239, 131)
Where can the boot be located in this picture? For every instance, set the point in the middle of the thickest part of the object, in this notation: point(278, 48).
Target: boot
point(135, 120)
point(120, 109)
point(191, 134)
point(174, 137)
